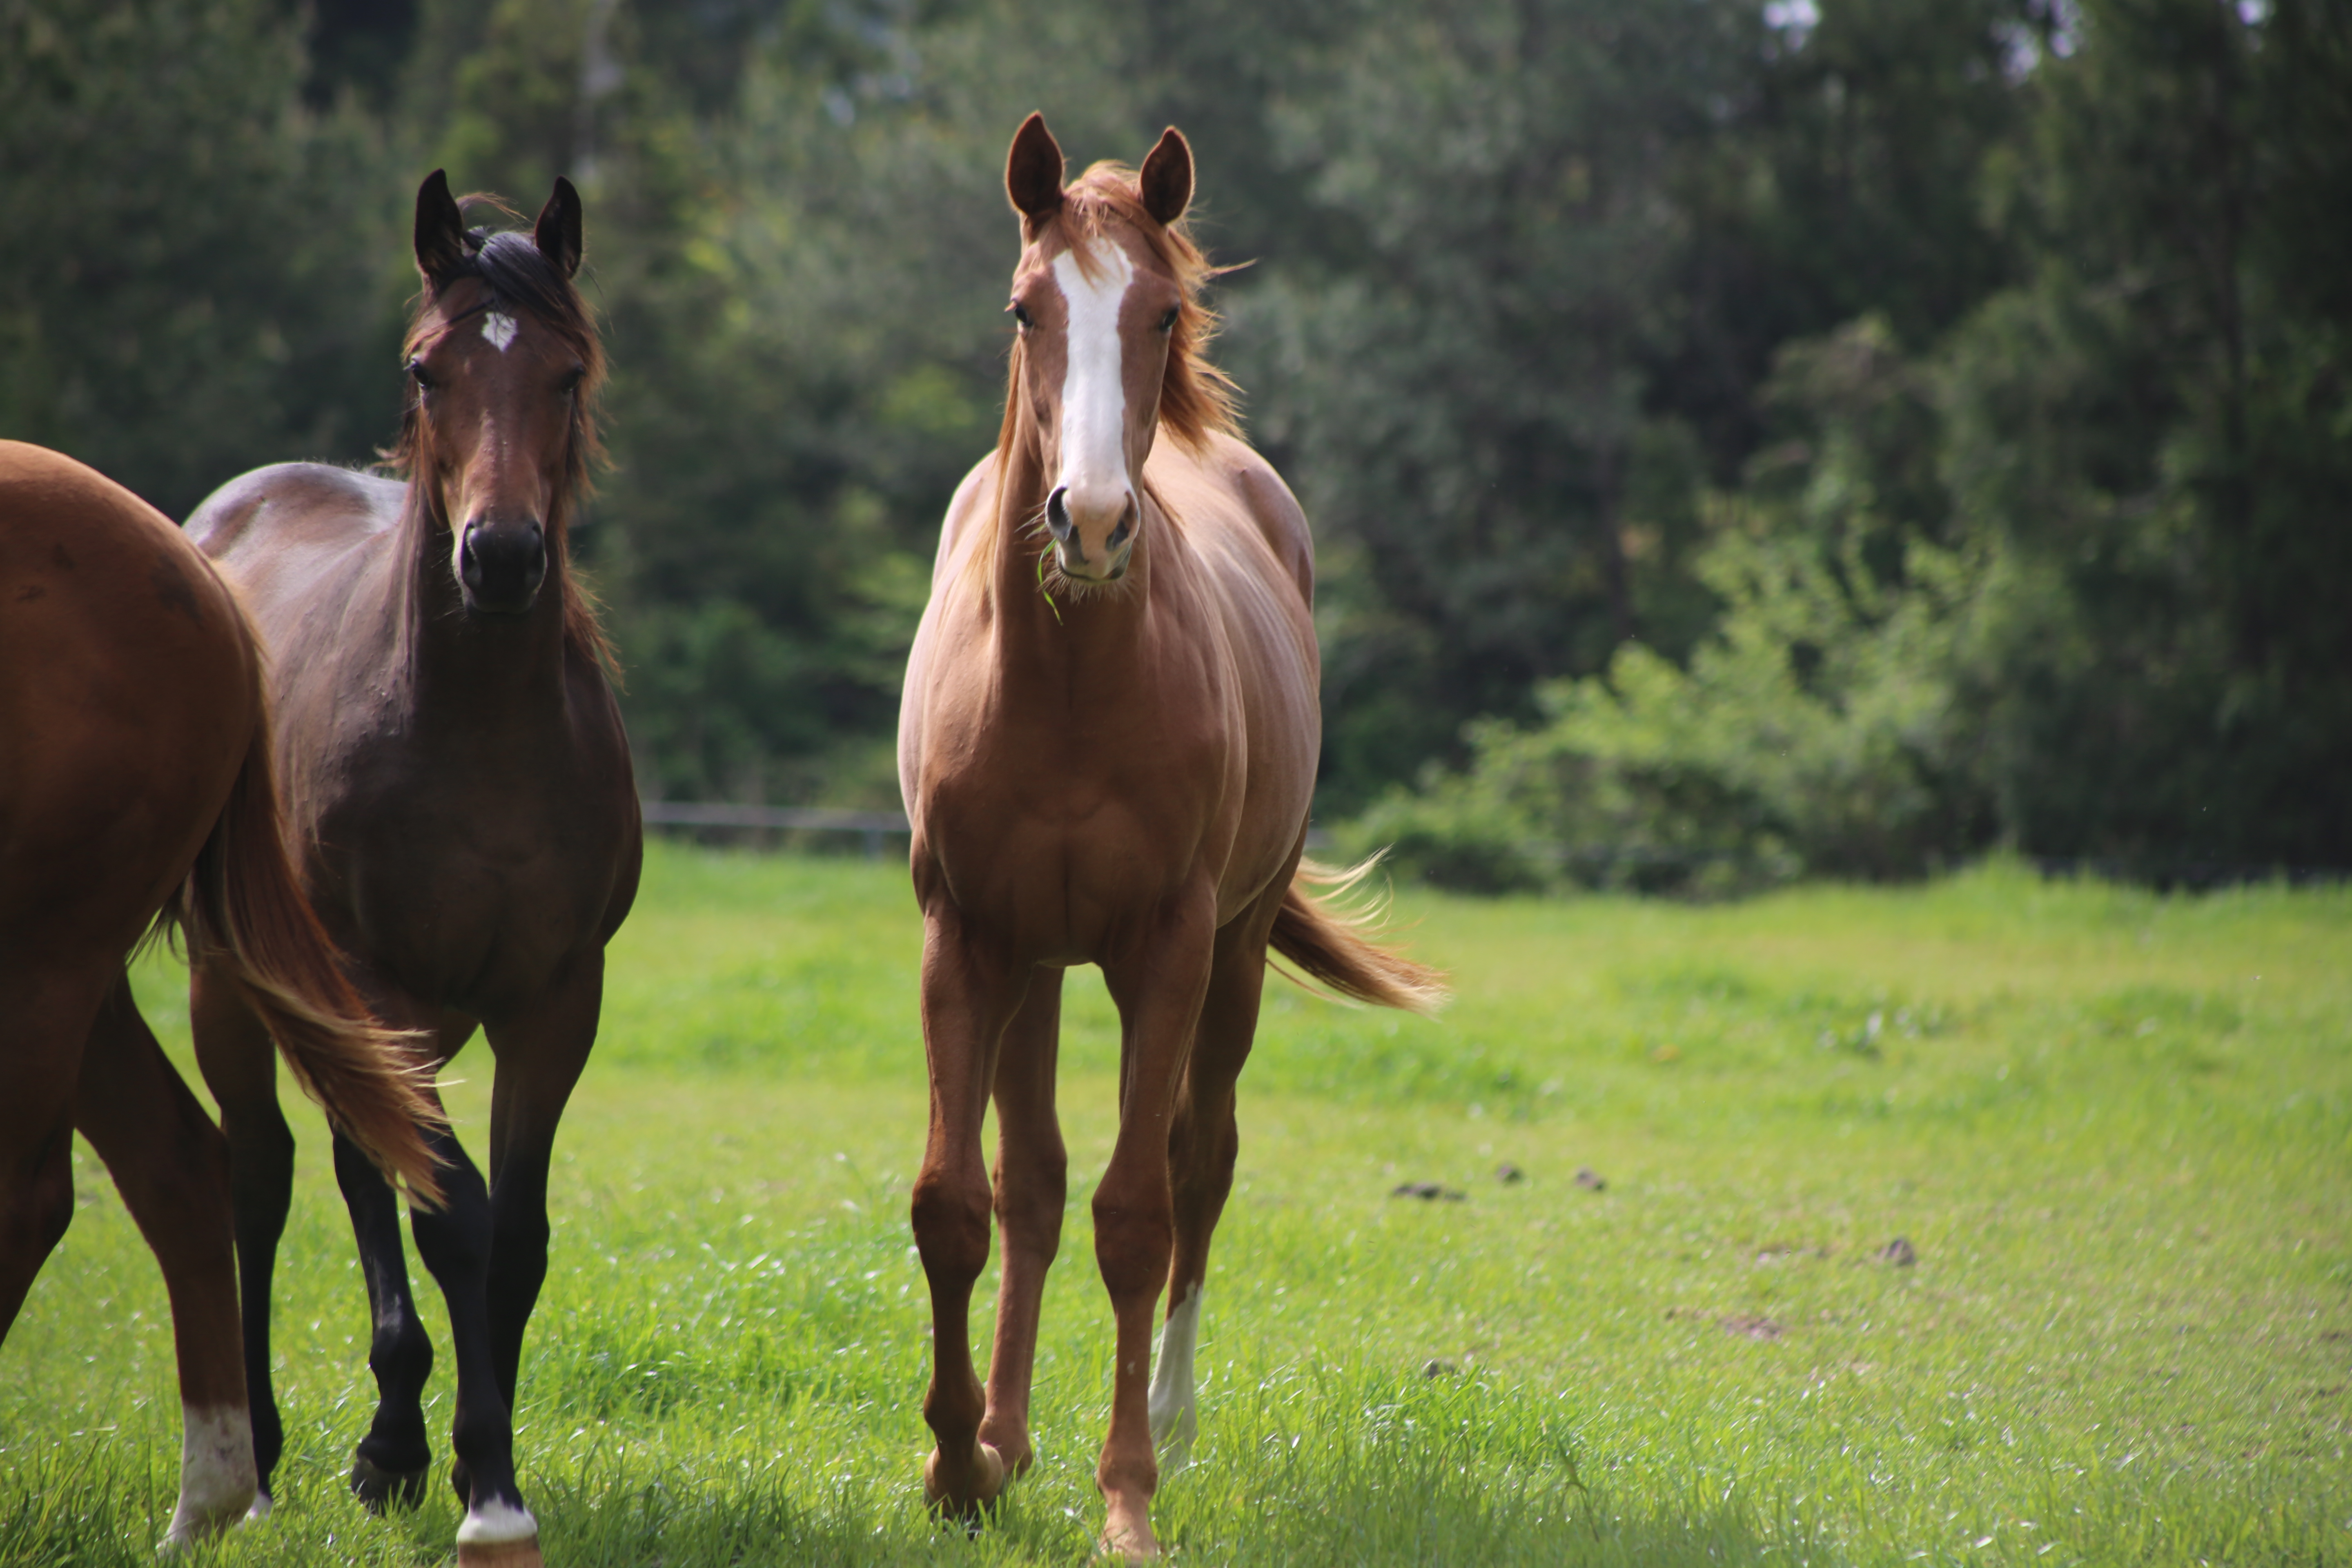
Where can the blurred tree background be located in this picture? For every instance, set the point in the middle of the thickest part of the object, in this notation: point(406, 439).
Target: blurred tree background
point(1747, 439)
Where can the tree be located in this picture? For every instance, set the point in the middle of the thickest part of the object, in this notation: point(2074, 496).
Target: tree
point(191, 274)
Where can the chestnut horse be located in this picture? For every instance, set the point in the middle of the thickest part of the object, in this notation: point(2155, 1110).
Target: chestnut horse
point(134, 778)
point(452, 760)
point(1108, 750)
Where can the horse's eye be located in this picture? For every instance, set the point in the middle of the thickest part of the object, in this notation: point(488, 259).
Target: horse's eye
point(1020, 317)
point(1168, 321)
point(417, 374)
point(572, 380)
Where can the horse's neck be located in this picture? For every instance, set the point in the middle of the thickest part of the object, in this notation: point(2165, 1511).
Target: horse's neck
point(458, 667)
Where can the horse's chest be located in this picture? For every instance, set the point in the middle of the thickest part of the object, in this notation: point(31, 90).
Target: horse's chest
point(476, 903)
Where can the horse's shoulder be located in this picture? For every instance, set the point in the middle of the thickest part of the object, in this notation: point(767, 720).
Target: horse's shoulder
point(1256, 491)
point(974, 498)
point(307, 497)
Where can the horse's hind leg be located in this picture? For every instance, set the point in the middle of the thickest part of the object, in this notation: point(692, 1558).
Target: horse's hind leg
point(172, 1167)
point(389, 1465)
point(42, 1026)
point(1202, 1143)
point(239, 1062)
point(1032, 1182)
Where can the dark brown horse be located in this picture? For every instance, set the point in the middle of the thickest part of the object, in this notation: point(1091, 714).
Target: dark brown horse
point(1107, 747)
point(453, 764)
point(134, 777)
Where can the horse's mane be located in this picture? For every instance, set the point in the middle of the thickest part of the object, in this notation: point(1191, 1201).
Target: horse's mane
point(516, 275)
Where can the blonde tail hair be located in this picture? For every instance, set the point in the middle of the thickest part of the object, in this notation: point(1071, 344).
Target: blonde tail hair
point(242, 904)
point(1335, 946)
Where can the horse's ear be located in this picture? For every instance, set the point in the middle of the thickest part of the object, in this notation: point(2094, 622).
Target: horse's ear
point(1032, 171)
point(440, 228)
point(558, 233)
point(1167, 177)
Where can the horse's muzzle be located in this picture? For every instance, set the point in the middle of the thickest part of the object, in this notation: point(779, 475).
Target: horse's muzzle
point(502, 565)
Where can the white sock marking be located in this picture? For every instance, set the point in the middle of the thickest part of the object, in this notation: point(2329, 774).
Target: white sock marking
point(501, 329)
point(494, 1523)
point(1174, 1423)
point(217, 1478)
point(1094, 388)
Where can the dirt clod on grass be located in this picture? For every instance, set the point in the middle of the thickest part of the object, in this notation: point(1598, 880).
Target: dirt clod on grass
point(1747, 1325)
point(1428, 1192)
point(1898, 1253)
point(1591, 1180)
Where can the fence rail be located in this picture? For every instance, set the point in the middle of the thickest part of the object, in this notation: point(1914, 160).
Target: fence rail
point(872, 825)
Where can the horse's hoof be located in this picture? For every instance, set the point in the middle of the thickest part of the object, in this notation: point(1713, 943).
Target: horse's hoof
point(378, 1488)
point(498, 1535)
point(260, 1509)
point(967, 1504)
point(1130, 1545)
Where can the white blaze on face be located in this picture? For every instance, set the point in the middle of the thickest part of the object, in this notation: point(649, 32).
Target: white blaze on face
point(501, 329)
point(1094, 385)
point(494, 1523)
point(217, 1477)
point(1174, 1423)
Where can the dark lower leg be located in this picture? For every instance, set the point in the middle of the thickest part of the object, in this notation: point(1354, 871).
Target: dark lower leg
point(389, 1463)
point(453, 1244)
point(262, 1188)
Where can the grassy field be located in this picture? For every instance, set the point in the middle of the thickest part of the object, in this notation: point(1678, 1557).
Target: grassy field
point(2114, 1129)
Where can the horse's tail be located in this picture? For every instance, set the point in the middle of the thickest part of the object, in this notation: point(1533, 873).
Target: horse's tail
point(1336, 948)
point(242, 904)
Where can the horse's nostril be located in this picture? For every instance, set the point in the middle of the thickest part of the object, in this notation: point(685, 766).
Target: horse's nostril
point(1057, 514)
point(1125, 525)
point(503, 567)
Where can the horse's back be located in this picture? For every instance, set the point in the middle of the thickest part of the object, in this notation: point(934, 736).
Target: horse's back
point(127, 695)
point(286, 530)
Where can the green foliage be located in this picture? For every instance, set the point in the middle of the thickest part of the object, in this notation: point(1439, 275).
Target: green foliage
point(1822, 727)
point(2152, 429)
point(191, 263)
point(2112, 1124)
point(1604, 341)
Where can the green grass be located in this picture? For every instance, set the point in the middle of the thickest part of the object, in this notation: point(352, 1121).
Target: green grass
point(2116, 1128)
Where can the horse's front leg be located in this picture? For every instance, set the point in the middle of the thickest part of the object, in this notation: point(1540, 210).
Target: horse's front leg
point(970, 995)
point(1032, 1182)
point(539, 1060)
point(1159, 990)
point(540, 1053)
